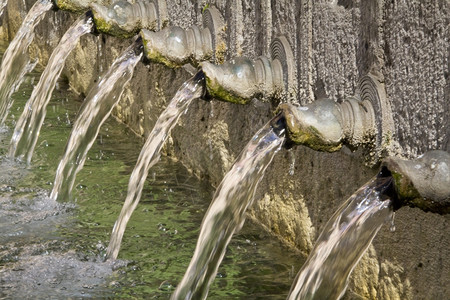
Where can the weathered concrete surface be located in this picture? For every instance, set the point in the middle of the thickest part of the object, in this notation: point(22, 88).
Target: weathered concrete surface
point(335, 42)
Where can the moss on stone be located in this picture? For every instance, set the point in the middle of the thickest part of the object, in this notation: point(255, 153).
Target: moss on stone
point(157, 57)
point(404, 186)
point(406, 191)
point(68, 6)
point(109, 28)
point(311, 137)
point(219, 93)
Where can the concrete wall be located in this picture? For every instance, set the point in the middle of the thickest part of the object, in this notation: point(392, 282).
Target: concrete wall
point(335, 42)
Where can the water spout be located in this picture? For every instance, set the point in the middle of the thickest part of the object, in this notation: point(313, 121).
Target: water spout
point(423, 182)
point(174, 46)
point(28, 126)
point(325, 125)
point(124, 19)
point(16, 62)
point(95, 110)
point(241, 79)
point(226, 214)
point(343, 241)
point(361, 120)
point(191, 89)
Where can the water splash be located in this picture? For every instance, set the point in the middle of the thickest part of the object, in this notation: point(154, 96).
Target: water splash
point(95, 110)
point(16, 62)
point(30, 122)
point(191, 89)
point(226, 214)
point(343, 241)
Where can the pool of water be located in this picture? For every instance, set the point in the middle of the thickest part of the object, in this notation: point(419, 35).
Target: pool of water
point(56, 250)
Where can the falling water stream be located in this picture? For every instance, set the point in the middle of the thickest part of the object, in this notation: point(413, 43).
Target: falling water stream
point(96, 109)
point(190, 90)
point(226, 214)
point(16, 62)
point(2, 6)
point(56, 250)
point(29, 124)
point(343, 241)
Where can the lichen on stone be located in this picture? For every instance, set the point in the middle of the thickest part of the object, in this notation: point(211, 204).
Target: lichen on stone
point(221, 50)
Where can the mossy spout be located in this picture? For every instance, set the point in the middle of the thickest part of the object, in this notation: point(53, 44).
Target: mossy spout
point(325, 125)
point(423, 182)
point(175, 46)
point(362, 120)
point(317, 125)
point(241, 79)
point(123, 19)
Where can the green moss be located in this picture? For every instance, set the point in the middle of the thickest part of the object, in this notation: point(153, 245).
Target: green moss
point(219, 93)
point(155, 56)
point(405, 189)
point(69, 6)
point(205, 7)
point(109, 28)
point(312, 138)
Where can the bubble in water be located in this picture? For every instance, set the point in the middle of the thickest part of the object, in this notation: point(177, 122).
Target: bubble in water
point(166, 286)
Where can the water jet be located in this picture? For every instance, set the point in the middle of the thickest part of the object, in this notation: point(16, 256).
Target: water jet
point(95, 110)
point(150, 154)
point(29, 124)
point(16, 61)
point(343, 241)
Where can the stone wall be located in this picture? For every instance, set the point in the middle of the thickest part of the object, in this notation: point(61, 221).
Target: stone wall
point(334, 43)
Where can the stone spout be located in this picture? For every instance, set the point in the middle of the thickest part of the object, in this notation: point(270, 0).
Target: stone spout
point(78, 5)
point(174, 46)
point(364, 119)
point(123, 19)
point(241, 79)
point(423, 182)
point(326, 125)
